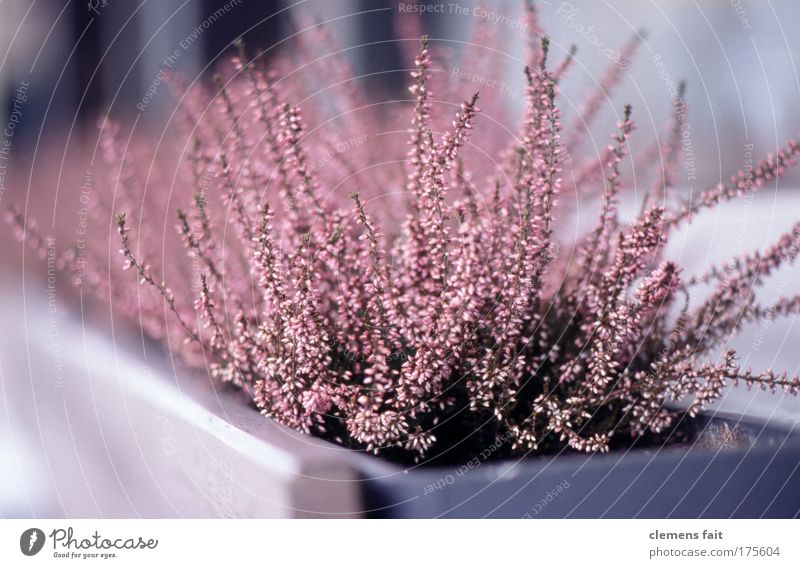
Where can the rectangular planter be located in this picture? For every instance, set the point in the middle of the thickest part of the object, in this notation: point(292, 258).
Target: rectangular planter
point(120, 437)
point(758, 477)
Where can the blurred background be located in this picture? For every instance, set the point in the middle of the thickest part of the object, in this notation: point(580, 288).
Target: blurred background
point(65, 64)
point(83, 59)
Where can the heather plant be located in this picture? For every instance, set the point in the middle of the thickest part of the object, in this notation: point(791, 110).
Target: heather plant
point(394, 293)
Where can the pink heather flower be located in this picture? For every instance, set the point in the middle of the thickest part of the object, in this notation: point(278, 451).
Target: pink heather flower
point(446, 319)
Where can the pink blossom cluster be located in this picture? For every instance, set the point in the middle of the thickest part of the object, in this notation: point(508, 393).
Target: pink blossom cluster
point(401, 296)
